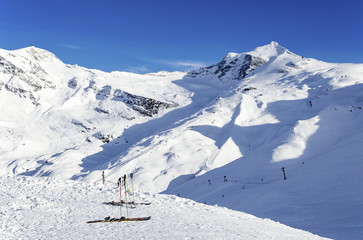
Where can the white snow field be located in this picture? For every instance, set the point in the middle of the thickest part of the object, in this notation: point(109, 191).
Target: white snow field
point(45, 208)
point(217, 135)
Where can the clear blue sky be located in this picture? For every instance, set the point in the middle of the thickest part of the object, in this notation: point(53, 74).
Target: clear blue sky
point(152, 35)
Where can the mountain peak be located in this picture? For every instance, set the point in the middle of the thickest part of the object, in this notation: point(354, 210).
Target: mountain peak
point(36, 53)
point(267, 51)
point(238, 65)
point(273, 43)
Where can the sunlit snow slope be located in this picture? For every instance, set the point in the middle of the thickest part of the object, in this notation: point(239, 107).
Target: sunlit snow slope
point(246, 118)
point(49, 209)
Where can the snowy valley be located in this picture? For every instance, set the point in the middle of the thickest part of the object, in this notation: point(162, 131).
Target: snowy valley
point(226, 135)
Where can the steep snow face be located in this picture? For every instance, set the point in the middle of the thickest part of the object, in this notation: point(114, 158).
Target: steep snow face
point(245, 118)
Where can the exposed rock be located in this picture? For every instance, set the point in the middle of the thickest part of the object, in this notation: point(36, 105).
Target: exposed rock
point(250, 63)
point(145, 106)
point(235, 68)
point(84, 127)
point(249, 89)
point(72, 83)
point(100, 110)
point(104, 93)
point(35, 77)
point(9, 68)
point(22, 93)
point(105, 138)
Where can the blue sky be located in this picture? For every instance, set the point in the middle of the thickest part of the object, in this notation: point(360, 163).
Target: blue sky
point(153, 35)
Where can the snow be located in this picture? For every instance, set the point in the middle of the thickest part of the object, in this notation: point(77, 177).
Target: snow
point(67, 122)
point(44, 208)
point(296, 144)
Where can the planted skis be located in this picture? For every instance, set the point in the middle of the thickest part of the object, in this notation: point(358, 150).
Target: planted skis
point(123, 219)
point(122, 181)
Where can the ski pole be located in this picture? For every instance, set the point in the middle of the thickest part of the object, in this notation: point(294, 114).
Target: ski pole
point(127, 210)
point(132, 184)
point(128, 190)
point(127, 186)
point(119, 183)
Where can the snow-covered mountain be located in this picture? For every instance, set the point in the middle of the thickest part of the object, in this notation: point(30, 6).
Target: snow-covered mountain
point(54, 115)
point(218, 135)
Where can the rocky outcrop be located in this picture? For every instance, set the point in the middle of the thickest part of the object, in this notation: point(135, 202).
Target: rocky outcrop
point(22, 93)
point(145, 106)
point(231, 68)
point(9, 68)
point(35, 77)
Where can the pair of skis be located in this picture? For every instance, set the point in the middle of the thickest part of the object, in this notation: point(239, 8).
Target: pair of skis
point(113, 203)
point(122, 219)
point(132, 204)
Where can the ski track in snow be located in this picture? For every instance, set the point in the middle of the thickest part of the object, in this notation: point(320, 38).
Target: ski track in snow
point(45, 208)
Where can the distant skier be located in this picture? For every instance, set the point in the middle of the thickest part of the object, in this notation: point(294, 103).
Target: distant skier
point(283, 170)
point(225, 179)
point(209, 182)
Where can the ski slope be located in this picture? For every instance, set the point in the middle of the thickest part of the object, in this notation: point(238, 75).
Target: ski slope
point(43, 208)
point(246, 118)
